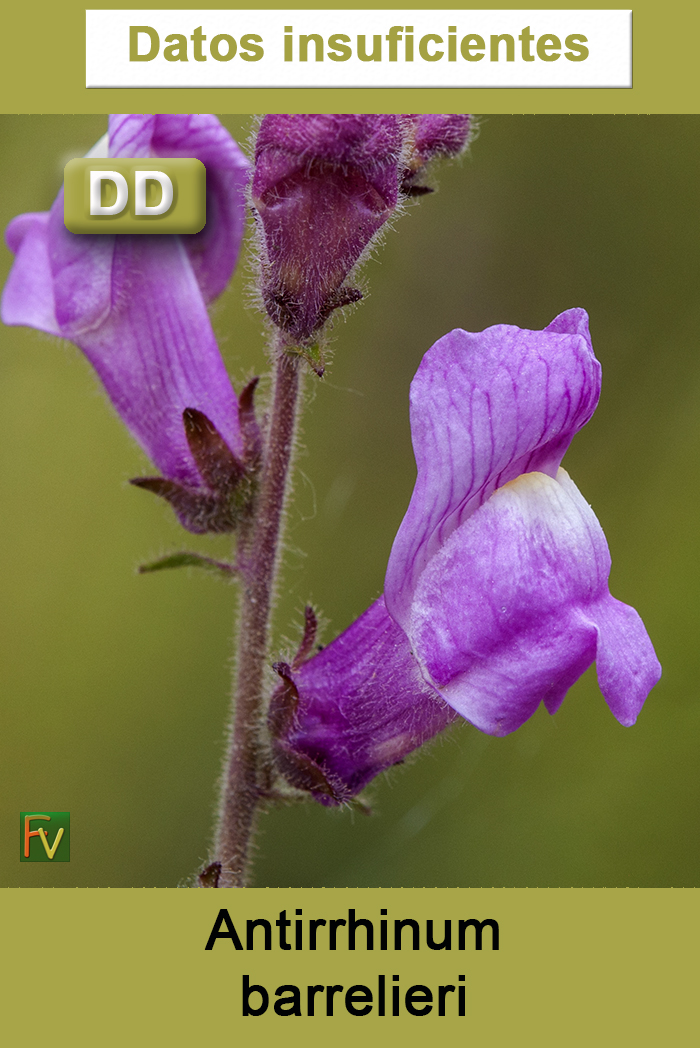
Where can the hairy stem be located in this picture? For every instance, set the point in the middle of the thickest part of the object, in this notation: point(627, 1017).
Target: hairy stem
point(258, 556)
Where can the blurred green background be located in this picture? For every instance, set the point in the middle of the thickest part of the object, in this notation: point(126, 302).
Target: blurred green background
point(114, 687)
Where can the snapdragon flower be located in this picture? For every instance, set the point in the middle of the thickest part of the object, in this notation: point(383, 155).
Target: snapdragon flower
point(136, 306)
point(496, 594)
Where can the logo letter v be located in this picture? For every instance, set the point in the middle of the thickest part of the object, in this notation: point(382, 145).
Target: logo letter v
point(45, 841)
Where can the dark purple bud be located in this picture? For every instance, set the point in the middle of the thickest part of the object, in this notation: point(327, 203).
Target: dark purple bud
point(434, 135)
point(353, 710)
point(323, 187)
point(209, 877)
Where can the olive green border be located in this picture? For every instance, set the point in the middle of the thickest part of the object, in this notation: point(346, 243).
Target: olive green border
point(43, 70)
point(579, 966)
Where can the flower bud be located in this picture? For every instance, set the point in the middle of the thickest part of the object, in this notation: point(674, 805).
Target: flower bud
point(434, 135)
point(323, 187)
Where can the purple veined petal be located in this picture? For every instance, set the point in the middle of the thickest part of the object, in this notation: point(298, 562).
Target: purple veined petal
point(59, 283)
point(486, 407)
point(156, 354)
point(132, 304)
point(515, 606)
point(131, 134)
point(86, 268)
point(571, 322)
point(214, 251)
point(363, 706)
point(83, 270)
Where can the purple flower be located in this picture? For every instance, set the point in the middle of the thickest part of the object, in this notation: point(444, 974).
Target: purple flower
point(497, 585)
point(136, 306)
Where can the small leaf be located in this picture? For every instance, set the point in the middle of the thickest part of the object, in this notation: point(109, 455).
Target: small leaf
point(166, 489)
point(188, 560)
point(303, 772)
point(200, 511)
point(313, 355)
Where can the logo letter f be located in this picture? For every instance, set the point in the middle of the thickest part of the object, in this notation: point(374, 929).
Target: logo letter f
point(32, 833)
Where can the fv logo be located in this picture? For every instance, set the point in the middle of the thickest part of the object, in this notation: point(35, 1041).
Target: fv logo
point(44, 836)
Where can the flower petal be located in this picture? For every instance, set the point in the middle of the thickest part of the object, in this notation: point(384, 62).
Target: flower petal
point(28, 294)
point(83, 268)
point(485, 408)
point(214, 251)
point(515, 606)
point(626, 661)
point(133, 306)
point(362, 706)
point(60, 283)
point(156, 354)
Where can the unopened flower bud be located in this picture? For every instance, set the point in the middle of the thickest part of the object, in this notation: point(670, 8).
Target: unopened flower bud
point(434, 135)
point(323, 187)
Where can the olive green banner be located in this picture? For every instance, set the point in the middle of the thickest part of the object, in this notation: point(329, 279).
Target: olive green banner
point(43, 70)
point(132, 966)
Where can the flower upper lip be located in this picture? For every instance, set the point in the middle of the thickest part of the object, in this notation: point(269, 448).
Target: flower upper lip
point(495, 524)
point(486, 408)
